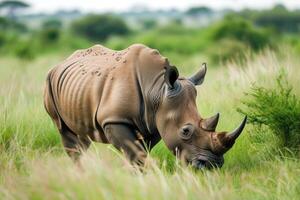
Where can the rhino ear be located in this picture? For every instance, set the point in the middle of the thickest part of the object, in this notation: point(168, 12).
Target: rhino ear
point(171, 75)
point(198, 78)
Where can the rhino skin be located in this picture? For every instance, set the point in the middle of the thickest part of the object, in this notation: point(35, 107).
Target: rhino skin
point(117, 97)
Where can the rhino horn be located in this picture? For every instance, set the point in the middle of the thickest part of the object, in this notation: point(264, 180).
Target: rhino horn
point(230, 138)
point(198, 78)
point(211, 123)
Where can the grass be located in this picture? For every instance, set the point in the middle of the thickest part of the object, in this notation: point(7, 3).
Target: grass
point(33, 164)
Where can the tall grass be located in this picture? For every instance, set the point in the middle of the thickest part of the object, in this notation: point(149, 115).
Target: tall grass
point(34, 166)
point(105, 178)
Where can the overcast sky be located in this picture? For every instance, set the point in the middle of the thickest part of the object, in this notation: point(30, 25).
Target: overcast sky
point(122, 5)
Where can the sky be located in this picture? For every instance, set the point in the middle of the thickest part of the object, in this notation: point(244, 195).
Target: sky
point(123, 5)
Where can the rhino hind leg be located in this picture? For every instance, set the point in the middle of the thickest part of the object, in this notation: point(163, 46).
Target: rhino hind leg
point(73, 144)
point(123, 137)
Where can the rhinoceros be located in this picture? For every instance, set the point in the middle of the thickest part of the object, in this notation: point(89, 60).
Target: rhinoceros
point(131, 99)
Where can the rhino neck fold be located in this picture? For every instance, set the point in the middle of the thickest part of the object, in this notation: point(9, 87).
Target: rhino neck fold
point(151, 90)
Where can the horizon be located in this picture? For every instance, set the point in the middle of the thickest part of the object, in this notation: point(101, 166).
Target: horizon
point(38, 6)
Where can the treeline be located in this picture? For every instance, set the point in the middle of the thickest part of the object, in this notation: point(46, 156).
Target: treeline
point(279, 18)
point(52, 35)
point(225, 39)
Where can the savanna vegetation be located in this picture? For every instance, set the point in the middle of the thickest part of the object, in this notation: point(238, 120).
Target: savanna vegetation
point(253, 70)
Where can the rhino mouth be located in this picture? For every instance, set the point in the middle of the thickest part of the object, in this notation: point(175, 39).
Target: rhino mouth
point(207, 162)
point(199, 164)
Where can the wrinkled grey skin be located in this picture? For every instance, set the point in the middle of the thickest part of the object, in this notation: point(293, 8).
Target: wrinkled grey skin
point(132, 99)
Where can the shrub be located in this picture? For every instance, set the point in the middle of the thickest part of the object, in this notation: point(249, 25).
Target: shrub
point(235, 28)
point(99, 27)
point(276, 108)
point(2, 39)
point(50, 35)
point(24, 50)
point(50, 30)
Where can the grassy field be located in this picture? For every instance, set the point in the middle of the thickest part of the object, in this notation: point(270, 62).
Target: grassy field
point(33, 164)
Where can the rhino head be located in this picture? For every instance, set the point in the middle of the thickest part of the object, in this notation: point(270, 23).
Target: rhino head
point(184, 132)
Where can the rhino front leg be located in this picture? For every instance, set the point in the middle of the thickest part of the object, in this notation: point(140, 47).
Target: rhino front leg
point(124, 139)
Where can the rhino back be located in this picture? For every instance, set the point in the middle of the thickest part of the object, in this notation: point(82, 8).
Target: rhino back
point(95, 83)
point(97, 86)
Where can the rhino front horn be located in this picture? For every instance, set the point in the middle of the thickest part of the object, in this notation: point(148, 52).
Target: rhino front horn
point(198, 78)
point(211, 123)
point(231, 137)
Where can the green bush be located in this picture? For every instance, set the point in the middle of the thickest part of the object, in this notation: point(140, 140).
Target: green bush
point(276, 108)
point(24, 50)
point(99, 27)
point(239, 29)
point(2, 39)
point(50, 35)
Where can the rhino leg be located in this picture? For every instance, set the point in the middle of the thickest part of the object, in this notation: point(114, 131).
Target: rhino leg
point(124, 139)
point(74, 144)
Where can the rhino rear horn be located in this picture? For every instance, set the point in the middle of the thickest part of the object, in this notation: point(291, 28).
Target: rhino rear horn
point(171, 75)
point(198, 78)
point(211, 123)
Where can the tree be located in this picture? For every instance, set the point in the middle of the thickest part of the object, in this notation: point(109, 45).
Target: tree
point(12, 7)
point(279, 8)
point(99, 27)
point(199, 10)
point(280, 19)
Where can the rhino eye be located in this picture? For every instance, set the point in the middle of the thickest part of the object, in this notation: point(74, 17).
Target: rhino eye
point(187, 131)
